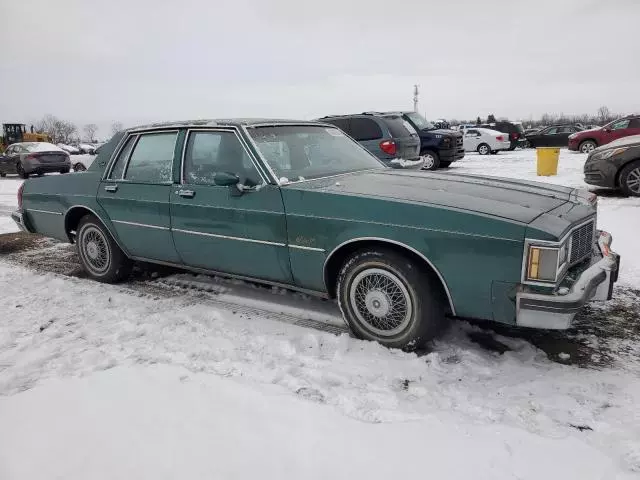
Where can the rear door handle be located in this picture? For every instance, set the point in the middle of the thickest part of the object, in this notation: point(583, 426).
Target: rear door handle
point(111, 188)
point(187, 193)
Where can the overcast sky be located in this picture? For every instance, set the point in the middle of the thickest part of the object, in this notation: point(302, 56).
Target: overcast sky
point(142, 60)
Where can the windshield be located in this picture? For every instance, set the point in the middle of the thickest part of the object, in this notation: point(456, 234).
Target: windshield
point(303, 152)
point(420, 122)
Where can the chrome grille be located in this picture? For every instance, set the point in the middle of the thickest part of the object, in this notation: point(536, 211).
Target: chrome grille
point(582, 242)
point(458, 141)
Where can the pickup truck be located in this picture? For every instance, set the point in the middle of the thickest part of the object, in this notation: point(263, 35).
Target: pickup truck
point(439, 148)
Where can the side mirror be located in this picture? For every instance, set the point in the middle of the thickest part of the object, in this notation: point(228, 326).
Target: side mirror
point(226, 179)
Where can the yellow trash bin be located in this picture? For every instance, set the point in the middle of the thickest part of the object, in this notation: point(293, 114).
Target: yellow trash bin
point(547, 160)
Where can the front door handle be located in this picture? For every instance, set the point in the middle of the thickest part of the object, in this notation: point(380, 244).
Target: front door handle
point(111, 188)
point(187, 193)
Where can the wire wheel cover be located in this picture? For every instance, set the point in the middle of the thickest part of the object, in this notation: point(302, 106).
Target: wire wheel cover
point(381, 301)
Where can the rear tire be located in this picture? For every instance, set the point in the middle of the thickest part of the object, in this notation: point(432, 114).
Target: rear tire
point(587, 146)
point(100, 255)
point(484, 149)
point(20, 171)
point(79, 167)
point(630, 179)
point(431, 160)
point(386, 298)
point(445, 164)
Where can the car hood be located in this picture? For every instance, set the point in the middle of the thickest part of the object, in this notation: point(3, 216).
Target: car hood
point(510, 199)
point(442, 131)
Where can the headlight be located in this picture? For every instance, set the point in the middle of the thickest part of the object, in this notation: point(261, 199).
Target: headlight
point(572, 136)
point(545, 263)
point(612, 152)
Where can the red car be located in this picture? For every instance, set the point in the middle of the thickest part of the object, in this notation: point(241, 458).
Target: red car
point(587, 140)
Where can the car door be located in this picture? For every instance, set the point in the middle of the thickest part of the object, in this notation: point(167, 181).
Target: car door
point(135, 194)
point(471, 139)
point(367, 132)
point(617, 130)
point(237, 229)
point(562, 137)
point(546, 138)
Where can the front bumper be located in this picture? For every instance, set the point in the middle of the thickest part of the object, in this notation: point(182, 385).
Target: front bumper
point(451, 154)
point(23, 225)
point(573, 145)
point(556, 311)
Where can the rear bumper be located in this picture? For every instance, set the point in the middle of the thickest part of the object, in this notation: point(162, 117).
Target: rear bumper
point(557, 311)
point(23, 225)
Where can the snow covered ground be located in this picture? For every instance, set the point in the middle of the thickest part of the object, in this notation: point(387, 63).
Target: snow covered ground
point(100, 381)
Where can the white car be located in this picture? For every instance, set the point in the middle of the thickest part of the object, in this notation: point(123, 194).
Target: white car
point(68, 148)
point(485, 141)
point(87, 148)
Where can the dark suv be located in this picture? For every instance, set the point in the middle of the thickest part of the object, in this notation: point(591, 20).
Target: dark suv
point(439, 147)
point(514, 129)
point(387, 136)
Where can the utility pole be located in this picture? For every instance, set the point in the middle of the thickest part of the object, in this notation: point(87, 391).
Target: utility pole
point(415, 98)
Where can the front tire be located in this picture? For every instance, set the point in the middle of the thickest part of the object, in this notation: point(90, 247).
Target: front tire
point(20, 171)
point(431, 160)
point(587, 146)
point(386, 298)
point(100, 255)
point(484, 149)
point(630, 179)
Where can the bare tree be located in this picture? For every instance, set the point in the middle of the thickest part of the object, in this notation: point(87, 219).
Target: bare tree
point(90, 130)
point(116, 127)
point(60, 131)
point(604, 114)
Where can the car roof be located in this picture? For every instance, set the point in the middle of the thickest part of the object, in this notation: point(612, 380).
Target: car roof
point(223, 122)
point(365, 114)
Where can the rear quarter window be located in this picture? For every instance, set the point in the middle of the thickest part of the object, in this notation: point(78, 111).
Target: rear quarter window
point(397, 126)
point(366, 129)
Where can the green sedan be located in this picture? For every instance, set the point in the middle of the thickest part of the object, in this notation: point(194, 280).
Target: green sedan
point(302, 205)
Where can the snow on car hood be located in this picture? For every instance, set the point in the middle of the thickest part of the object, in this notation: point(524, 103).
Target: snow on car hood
point(621, 142)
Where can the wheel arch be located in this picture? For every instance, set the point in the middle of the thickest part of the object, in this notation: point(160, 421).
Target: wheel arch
point(588, 139)
point(74, 214)
point(618, 177)
point(339, 255)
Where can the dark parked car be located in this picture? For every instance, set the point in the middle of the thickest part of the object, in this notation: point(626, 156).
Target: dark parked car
point(515, 130)
point(388, 136)
point(616, 165)
point(439, 147)
point(302, 205)
point(29, 158)
point(554, 136)
point(586, 140)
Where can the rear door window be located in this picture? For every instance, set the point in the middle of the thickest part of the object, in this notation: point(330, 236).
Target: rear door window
point(121, 161)
point(397, 126)
point(363, 129)
point(152, 158)
point(551, 131)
